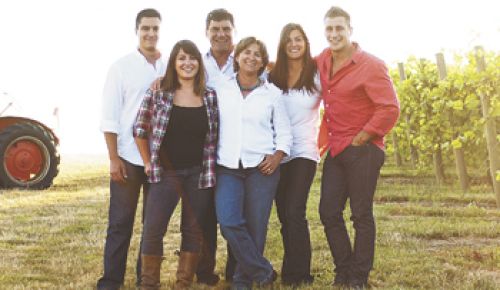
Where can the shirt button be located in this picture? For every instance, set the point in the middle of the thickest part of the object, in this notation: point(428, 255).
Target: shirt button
point(326, 106)
point(329, 91)
point(329, 133)
point(328, 120)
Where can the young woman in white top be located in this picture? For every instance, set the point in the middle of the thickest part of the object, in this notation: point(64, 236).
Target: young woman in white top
point(295, 74)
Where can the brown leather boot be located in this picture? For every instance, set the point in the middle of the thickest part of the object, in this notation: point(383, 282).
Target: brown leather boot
point(188, 263)
point(150, 272)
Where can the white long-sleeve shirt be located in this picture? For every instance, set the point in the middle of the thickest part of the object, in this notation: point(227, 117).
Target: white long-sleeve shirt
point(303, 110)
point(214, 71)
point(250, 127)
point(125, 87)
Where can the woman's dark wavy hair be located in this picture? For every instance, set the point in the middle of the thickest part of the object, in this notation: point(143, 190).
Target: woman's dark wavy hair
point(243, 44)
point(279, 74)
point(170, 81)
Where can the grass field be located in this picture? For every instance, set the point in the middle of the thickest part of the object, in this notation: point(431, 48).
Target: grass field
point(428, 237)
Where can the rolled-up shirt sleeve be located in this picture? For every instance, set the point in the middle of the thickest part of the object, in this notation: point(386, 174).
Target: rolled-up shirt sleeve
point(112, 101)
point(281, 122)
point(380, 90)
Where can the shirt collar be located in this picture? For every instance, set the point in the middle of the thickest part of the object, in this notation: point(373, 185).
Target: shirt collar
point(141, 56)
point(265, 82)
point(229, 59)
point(356, 56)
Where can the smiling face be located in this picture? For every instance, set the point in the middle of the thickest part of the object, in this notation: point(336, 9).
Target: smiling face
point(338, 33)
point(250, 60)
point(296, 45)
point(220, 34)
point(148, 33)
point(186, 65)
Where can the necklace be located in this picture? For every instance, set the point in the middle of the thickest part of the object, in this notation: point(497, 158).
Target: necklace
point(248, 89)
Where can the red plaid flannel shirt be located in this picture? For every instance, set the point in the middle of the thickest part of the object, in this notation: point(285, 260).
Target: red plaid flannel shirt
point(152, 120)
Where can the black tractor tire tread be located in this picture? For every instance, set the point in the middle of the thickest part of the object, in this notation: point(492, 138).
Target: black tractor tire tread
point(37, 131)
point(50, 136)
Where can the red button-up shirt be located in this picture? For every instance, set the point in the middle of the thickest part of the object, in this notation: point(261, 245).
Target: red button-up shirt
point(359, 96)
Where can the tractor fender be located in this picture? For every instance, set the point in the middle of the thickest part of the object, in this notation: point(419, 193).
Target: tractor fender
point(6, 121)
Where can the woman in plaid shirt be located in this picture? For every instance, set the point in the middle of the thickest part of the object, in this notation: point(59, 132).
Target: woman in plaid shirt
point(176, 132)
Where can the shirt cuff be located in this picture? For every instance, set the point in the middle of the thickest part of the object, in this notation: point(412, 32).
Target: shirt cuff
point(373, 131)
point(285, 150)
point(110, 126)
point(140, 133)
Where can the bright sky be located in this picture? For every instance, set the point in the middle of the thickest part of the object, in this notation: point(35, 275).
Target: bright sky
point(57, 53)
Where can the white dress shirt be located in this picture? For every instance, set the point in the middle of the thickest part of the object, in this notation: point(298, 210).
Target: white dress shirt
point(250, 127)
point(303, 110)
point(125, 86)
point(214, 71)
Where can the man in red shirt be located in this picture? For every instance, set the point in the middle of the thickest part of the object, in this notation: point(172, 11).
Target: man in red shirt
point(360, 108)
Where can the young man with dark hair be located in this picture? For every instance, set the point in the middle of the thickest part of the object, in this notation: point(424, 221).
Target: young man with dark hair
point(125, 86)
point(361, 107)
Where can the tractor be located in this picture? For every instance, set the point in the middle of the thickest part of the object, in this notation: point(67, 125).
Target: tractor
point(28, 150)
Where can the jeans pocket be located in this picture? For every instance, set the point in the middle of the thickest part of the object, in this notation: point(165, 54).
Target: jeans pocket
point(359, 148)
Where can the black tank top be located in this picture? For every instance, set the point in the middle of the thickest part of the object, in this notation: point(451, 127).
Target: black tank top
point(182, 145)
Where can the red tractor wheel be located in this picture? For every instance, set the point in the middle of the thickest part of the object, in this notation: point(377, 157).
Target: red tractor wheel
point(29, 157)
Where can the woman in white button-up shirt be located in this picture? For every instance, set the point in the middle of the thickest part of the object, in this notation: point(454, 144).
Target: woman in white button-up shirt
point(296, 75)
point(253, 139)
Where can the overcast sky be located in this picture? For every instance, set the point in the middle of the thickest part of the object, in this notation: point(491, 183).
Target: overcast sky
point(57, 53)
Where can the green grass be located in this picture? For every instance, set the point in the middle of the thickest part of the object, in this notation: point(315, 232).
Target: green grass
point(428, 236)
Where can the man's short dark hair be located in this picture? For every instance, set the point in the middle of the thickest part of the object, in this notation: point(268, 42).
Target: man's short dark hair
point(150, 12)
point(219, 15)
point(336, 11)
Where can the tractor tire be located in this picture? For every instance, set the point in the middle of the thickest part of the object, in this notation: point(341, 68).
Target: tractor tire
point(29, 157)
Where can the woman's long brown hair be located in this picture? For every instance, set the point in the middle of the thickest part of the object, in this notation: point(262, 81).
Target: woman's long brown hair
point(170, 81)
point(279, 74)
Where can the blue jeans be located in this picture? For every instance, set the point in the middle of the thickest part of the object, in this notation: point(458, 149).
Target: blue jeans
point(122, 208)
point(243, 201)
point(162, 201)
point(351, 174)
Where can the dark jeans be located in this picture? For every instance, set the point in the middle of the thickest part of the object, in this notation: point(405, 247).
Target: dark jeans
point(206, 266)
point(243, 200)
point(122, 208)
point(162, 201)
point(293, 190)
point(352, 174)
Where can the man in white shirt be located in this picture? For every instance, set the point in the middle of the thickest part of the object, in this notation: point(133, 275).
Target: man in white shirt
point(125, 86)
point(220, 31)
point(218, 64)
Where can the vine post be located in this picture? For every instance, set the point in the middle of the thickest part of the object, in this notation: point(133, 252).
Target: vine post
point(490, 129)
point(413, 150)
point(395, 145)
point(457, 150)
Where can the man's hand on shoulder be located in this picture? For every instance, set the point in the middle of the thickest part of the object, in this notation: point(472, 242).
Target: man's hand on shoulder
point(156, 85)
